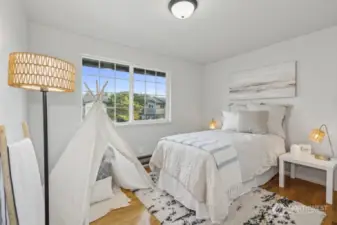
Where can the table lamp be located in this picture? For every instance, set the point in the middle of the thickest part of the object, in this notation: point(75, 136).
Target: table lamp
point(41, 73)
point(212, 124)
point(318, 135)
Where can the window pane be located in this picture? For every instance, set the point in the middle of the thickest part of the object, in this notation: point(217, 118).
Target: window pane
point(160, 107)
point(122, 85)
point(139, 87)
point(90, 67)
point(107, 69)
point(161, 77)
point(90, 62)
point(160, 89)
point(90, 81)
point(122, 99)
point(122, 114)
point(138, 106)
point(150, 88)
point(122, 72)
point(139, 74)
point(111, 113)
point(110, 86)
point(150, 76)
point(109, 99)
point(150, 108)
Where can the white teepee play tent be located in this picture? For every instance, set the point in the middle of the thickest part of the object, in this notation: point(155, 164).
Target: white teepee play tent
point(72, 179)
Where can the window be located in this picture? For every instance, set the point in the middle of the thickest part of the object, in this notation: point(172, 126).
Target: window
point(133, 94)
point(149, 94)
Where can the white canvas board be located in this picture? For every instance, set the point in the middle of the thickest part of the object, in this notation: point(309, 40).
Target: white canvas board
point(269, 82)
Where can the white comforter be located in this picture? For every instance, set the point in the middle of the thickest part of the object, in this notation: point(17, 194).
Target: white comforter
point(199, 172)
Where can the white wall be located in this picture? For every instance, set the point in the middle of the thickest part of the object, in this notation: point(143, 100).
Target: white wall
point(65, 109)
point(13, 106)
point(316, 100)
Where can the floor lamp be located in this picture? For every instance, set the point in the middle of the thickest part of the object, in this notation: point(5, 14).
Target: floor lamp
point(45, 74)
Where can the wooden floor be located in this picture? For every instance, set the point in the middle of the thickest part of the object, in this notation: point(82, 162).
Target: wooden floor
point(302, 191)
point(135, 214)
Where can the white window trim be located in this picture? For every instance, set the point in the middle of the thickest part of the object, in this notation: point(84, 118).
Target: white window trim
point(131, 122)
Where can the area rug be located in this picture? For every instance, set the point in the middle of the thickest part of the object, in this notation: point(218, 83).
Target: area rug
point(100, 209)
point(256, 207)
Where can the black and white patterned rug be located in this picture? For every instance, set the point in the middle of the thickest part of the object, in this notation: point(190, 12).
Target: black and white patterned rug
point(254, 208)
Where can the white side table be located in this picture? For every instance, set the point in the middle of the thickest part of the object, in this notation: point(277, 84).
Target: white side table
point(309, 161)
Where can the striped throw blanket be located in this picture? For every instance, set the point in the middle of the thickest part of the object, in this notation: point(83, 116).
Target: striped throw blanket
point(212, 146)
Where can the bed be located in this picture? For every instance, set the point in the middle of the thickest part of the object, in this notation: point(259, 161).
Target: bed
point(207, 170)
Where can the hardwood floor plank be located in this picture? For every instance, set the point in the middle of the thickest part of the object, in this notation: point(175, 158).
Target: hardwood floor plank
point(295, 189)
point(134, 214)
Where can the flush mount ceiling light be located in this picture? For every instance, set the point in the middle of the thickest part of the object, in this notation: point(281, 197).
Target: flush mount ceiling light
point(183, 9)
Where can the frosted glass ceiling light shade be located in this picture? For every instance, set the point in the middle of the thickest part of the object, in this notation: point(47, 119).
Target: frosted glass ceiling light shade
point(183, 9)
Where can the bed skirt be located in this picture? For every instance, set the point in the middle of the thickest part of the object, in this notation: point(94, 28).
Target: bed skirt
point(179, 192)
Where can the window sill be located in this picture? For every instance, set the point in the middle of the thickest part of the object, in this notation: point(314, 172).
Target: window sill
point(137, 123)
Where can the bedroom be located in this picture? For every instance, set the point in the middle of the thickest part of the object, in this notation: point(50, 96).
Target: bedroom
point(195, 59)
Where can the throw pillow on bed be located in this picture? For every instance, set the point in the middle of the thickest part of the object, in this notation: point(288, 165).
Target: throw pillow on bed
point(229, 121)
point(276, 118)
point(255, 122)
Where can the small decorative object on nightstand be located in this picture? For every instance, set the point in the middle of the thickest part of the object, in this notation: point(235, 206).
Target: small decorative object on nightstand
point(317, 135)
point(309, 161)
point(212, 124)
point(299, 150)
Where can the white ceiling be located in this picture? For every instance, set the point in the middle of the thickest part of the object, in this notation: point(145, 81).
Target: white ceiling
point(218, 29)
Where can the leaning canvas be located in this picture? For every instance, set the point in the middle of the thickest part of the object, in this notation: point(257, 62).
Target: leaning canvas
point(278, 81)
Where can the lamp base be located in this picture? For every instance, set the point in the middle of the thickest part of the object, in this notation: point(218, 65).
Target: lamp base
point(322, 157)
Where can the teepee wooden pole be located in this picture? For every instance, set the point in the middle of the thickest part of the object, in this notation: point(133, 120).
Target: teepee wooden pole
point(25, 130)
point(102, 91)
point(97, 87)
point(10, 200)
point(90, 92)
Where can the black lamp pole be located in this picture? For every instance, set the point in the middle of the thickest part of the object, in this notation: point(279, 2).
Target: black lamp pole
point(31, 70)
point(46, 157)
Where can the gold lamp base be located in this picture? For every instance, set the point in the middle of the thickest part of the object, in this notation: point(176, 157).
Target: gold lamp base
point(322, 157)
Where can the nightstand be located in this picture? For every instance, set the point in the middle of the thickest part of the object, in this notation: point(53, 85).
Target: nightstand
point(309, 161)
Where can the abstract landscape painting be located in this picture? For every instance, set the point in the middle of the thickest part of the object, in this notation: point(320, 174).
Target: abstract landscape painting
point(277, 81)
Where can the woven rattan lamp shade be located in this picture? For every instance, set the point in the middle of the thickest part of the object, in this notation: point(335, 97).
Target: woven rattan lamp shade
point(40, 72)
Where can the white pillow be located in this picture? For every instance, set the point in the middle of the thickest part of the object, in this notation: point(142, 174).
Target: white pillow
point(255, 122)
point(276, 117)
point(102, 190)
point(230, 121)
